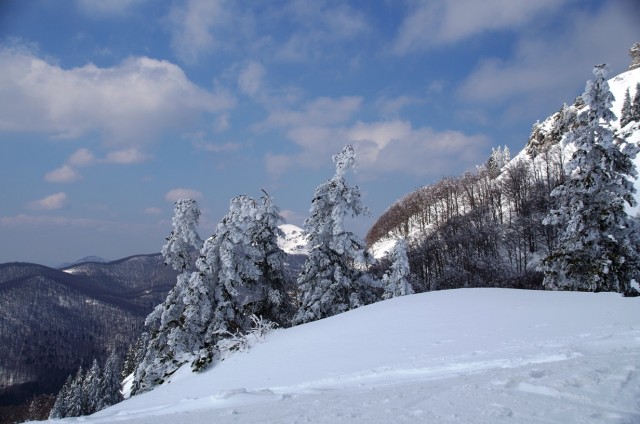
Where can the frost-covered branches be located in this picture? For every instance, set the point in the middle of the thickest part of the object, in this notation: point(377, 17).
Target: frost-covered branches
point(395, 282)
point(333, 280)
point(598, 248)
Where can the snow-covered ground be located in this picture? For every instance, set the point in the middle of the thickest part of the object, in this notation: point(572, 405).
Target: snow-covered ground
point(458, 356)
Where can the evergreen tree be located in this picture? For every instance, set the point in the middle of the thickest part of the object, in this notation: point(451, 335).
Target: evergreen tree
point(271, 299)
point(75, 399)
point(91, 389)
point(395, 283)
point(498, 159)
point(598, 249)
point(635, 109)
point(333, 278)
point(245, 270)
point(60, 406)
point(172, 338)
point(626, 115)
point(109, 392)
point(182, 246)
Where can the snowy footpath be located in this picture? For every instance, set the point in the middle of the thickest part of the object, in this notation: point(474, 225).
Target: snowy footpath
point(458, 356)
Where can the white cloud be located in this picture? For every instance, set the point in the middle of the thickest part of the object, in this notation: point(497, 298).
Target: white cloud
point(152, 211)
point(81, 157)
point(193, 25)
point(251, 78)
point(392, 106)
point(384, 147)
point(322, 111)
point(126, 157)
point(182, 193)
point(64, 174)
point(436, 22)
point(128, 103)
point(549, 65)
point(52, 202)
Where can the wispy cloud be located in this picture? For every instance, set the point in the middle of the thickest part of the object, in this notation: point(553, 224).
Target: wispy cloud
point(559, 61)
point(432, 23)
point(176, 194)
point(128, 103)
point(193, 27)
point(64, 174)
point(126, 157)
point(107, 8)
point(384, 147)
point(251, 78)
point(81, 157)
point(52, 202)
point(321, 111)
point(152, 210)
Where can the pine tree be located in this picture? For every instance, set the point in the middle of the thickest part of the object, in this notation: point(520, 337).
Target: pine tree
point(173, 339)
point(498, 159)
point(395, 283)
point(75, 399)
point(245, 270)
point(182, 246)
point(333, 278)
point(635, 109)
point(271, 299)
point(91, 389)
point(60, 406)
point(626, 115)
point(598, 249)
point(109, 392)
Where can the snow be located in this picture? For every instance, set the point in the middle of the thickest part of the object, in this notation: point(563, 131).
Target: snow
point(294, 242)
point(458, 356)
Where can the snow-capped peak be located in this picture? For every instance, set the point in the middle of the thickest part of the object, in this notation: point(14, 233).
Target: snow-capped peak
point(294, 242)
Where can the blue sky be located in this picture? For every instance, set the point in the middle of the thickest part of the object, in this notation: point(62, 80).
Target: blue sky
point(111, 110)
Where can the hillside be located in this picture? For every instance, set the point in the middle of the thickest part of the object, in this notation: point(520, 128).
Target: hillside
point(469, 355)
point(52, 321)
point(484, 228)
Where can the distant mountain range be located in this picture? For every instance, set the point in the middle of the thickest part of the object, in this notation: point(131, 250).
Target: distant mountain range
point(52, 321)
point(97, 259)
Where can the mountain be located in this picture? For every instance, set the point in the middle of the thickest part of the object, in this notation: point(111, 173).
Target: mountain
point(52, 321)
point(480, 356)
point(294, 242)
point(82, 260)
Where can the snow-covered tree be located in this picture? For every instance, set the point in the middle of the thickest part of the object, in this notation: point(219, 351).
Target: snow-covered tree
point(626, 114)
point(245, 269)
point(333, 279)
point(182, 246)
point(498, 159)
point(75, 399)
point(174, 337)
point(598, 249)
point(91, 389)
point(109, 392)
point(635, 107)
point(395, 282)
point(60, 405)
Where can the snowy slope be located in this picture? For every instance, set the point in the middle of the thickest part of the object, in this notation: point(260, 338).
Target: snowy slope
point(294, 242)
point(458, 356)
